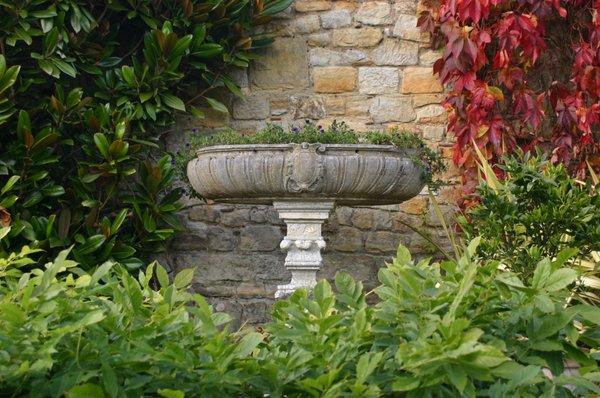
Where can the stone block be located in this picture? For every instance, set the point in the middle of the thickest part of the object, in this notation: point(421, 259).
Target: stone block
point(420, 100)
point(312, 5)
point(204, 213)
point(429, 111)
point(362, 267)
point(221, 239)
point(254, 106)
point(382, 242)
point(357, 106)
point(346, 239)
point(420, 80)
point(362, 218)
point(428, 57)
point(304, 24)
point(406, 28)
point(434, 133)
point(394, 52)
point(374, 13)
point(284, 65)
point(307, 107)
point(335, 79)
point(235, 217)
point(378, 80)
point(336, 19)
point(355, 37)
point(382, 220)
point(417, 205)
point(260, 238)
point(324, 57)
point(344, 215)
point(321, 39)
point(335, 105)
point(386, 109)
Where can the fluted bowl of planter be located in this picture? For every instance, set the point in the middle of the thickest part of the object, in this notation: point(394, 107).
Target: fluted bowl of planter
point(306, 177)
point(347, 174)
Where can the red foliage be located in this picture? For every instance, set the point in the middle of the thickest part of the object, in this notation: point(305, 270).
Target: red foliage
point(492, 51)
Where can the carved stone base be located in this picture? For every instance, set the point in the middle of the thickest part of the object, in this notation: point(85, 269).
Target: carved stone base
point(303, 241)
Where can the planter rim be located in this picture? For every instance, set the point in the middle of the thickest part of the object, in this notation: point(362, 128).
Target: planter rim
point(270, 147)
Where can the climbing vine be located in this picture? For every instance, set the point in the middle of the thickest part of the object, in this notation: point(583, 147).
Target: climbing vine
point(519, 73)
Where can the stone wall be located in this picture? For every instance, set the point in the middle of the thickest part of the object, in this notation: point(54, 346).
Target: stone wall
point(363, 62)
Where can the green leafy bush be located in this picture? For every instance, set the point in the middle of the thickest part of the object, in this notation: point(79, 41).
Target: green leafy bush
point(457, 328)
point(536, 212)
point(86, 89)
point(336, 133)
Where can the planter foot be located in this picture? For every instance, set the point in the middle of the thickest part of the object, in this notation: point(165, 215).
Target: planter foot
point(303, 241)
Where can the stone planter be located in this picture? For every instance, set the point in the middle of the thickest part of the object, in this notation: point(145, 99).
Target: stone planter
point(303, 182)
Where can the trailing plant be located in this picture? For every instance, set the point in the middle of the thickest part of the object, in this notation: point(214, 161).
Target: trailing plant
point(86, 90)
point(337, 133)
point(520, 74)
point(536, 212)
point(457, 328)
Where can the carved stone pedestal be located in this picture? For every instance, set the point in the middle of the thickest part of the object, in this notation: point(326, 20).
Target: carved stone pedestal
point(303, 241)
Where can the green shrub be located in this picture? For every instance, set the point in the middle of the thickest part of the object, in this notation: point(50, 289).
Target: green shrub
point(86, 90)
point(448, 329)
point(536, 212)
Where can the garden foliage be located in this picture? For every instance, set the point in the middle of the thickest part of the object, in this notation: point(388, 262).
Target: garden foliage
point(86, 90)
point(457, 328)
point(537, 211)
point(520, 74)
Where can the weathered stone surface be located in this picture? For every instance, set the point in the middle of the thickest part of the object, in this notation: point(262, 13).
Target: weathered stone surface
point(260, 238)
point(428, 57)
point(283, 66)
point(362, 266)
point(305, 24)
point(406, 27)
point(351, 174)
point(334, 79)
point(434, 133)
point(234, 217)
point(362, 218)
point(420, 80)
point(420, 100)
point(429, 111)
point(203, 213)
point(312, 5)
point(396, 53)
point(353, 37)
point(346, 239)
point(416, 205)
point(344, 215)
point(382, 219)
point(335, 105)
point(311, 107)
point(357, 106)
point(254, 106)
point(392, 109)
point(221, 239)
point(382, 242)
point(319, 39)
point(336, 19)
point(324, 57)
point(378, 80)
point(374, 13)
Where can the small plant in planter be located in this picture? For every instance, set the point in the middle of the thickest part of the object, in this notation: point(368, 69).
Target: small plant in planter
point(304, 172)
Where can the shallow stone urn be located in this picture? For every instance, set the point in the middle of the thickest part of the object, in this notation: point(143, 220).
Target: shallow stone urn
point(304, 182)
